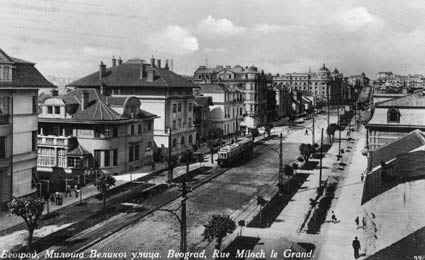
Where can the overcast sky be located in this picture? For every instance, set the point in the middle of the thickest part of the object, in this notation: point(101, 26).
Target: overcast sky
point(69, 38)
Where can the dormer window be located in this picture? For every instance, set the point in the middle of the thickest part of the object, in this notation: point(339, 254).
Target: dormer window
point(5, 73)
point(393, 115)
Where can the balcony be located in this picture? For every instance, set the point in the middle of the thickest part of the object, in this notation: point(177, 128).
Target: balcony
point(4, 119)
point(51, 140)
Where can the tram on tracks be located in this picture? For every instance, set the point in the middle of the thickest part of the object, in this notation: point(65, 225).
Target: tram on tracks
point(235, 153)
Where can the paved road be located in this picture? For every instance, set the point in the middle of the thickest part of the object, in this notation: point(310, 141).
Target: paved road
point(232, 193)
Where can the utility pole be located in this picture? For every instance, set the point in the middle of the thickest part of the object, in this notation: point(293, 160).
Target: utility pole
point(281, 161)
point(321, 158)
point(313, 137)
point(183, 226)
point(329, 106)
point(339, 139)
point(170, 166)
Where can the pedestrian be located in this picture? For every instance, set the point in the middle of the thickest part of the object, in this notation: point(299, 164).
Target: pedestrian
point(306, 132)
point(333, 217)
point(76, 191)
point(356, 247)
point(357, 220)
point(362, 177)
point(363, 222)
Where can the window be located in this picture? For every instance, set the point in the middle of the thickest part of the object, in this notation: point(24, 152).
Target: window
point(49, 110)
point(393, 115)
point(97, 158)
point(174, 142)
point(107, 158)
point(190, 107)
point(34, 104)
point(182, 141)
point(240, 111)
point(132, 130)
point(136, 152)
point(2, 147)
point(150, 125)
point(114, 132)
point(57, 110)
point(190, 139)
point(174, 125)
point(179, 109)
point(130, 153)
point(115, 157)
point(190, 122)
point(180, 123)
point(74, 162)
point(139, 129)
point(34, 140)
point(174, 108)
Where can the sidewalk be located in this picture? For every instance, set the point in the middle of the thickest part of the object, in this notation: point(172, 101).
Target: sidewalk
point(336, 242)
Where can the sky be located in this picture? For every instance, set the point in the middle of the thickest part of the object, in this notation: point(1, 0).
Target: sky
point(69, 38)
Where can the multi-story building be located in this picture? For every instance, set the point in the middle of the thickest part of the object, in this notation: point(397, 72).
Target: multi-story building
point(250, 80)
point(161, 92)
point(283, 100)
point(201, 115)
point(317, 84)
point(394, 83)
point(84, 129)
point(19, 84)
point(226, 113)
point(395, 118)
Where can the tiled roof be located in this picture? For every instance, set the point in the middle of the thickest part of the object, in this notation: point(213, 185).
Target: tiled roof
point(78, 151)
point(213, 88)
point(24, 75)
point(128, 74)
point(414, 100)
point(404, 144)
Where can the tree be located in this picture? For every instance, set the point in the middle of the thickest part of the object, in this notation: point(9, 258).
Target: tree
point(103, 184)
point(218, 227)
point(306, 150)
point(30, 210)
point(331, 131)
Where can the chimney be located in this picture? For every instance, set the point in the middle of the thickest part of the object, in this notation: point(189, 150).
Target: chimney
point(142, 70)
point(166, 65)
point(102, 70)
point(85, 97)
point(153, 62)
point(150, 74)
point(159, 63)
point(114, 61)
point(119, 61)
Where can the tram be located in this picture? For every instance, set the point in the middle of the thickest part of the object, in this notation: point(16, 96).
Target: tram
point(235, 153)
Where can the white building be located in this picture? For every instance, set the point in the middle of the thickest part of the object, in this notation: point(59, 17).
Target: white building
point(19, 84)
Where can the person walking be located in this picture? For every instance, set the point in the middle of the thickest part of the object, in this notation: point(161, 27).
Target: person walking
point(357, 220)
point(356, 247)
point(363, 222)
point(306, 132)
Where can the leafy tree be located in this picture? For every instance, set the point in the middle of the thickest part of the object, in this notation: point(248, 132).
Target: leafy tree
point(30, 210)
point(103, 184)
point(331, 131)
point(288, 170)
point(306, 150)
point(218, 227)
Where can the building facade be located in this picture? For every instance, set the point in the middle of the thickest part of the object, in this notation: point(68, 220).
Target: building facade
point(201, 115)
point(395, 118)
point(161, 92)
point(19, 84)
point(83, 129)
point(226, 113)
point(322, 85)
point(253, 83)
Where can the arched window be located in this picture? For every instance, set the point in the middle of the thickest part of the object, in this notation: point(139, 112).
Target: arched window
point(393, 115)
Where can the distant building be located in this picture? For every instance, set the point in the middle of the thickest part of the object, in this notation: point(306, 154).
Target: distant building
point(250, 80)
point(395, 118)
point(161, 92)
point(388, 82)
point(320, 84)
point(283, 98)
point(19, 84)
point(201, 115)
point(83, 129)
point(226, 112)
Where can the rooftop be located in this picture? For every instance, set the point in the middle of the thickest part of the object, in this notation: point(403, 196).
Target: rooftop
point(129, 74)
point(25, 75)
point(416, 100)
